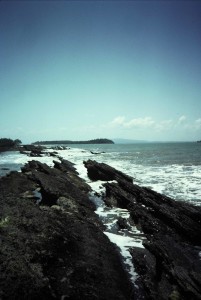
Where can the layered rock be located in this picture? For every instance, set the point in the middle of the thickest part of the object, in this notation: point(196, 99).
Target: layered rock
point(101, 171)
point(170, 264)
point(55, 250)
point(32, 150)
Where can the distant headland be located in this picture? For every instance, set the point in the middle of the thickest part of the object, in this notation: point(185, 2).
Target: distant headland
point(7, 144)
point(95, 141)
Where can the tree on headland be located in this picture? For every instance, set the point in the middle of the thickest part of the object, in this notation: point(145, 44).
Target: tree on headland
point(7, 143)
point(95, 141)
point(17, 142)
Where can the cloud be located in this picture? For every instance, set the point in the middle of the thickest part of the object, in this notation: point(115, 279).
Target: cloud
point(117, 121)
point(133, 123)
point(193, 125)
point(198, 123)
point(164, 125)
point(182, 119)
point(150, 126)
point(139, 123)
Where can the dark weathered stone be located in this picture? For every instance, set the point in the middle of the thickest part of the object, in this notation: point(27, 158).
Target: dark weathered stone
point(65, 166)
point(101, 171)
point(55, 154)
point(94, 152)
point(170, 265)
point(56, 250)
point(122, 223)
point(32, 150)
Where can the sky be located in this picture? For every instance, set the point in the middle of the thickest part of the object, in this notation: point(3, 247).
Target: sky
point(78, 70)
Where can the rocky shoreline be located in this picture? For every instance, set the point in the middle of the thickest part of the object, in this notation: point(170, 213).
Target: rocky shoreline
point(55, 250)
point(170, 264)
point(53, 245)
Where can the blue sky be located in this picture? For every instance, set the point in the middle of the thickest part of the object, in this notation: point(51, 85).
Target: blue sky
point(115, 69)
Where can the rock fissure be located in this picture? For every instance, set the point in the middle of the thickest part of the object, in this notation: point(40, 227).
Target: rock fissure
point(169, 266)
point(56, 248)
point(53, 244)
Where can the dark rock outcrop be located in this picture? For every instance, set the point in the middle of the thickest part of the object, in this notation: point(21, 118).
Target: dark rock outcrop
point(32, 150)
point(94, 152)
point(169, 265)
point(101, 171)
point(55, 250)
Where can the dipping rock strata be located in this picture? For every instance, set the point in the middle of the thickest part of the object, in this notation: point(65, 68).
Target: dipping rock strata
point(102, 171)
point(170, 263)
point(55, 249)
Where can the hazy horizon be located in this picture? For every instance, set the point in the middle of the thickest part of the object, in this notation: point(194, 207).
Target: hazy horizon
point(81, 70)
point(119, 141)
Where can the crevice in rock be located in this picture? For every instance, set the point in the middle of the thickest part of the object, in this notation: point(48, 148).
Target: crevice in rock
point(169, 266)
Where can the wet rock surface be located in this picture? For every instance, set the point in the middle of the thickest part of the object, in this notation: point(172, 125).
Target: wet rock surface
point(101, 171)
point(32, 150)
point(170, 264)
point(55, 250)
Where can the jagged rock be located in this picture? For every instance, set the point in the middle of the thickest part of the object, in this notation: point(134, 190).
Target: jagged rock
point(57, 182)
point(101, 171)
point(56, 250)
point(122, 223)
point(55, 154)
point(35, 154)
point(170, 265)
point(60, 148)
point(94, 152)
point(65, 166)
point(31, 148)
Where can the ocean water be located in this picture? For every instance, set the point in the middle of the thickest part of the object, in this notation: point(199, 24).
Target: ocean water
point(173, 169)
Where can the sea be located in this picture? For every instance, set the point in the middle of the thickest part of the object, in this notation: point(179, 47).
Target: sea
point(172, 169)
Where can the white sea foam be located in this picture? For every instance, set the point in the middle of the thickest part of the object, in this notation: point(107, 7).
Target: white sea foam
point(179, 181)
point(124, 239)
point(125, 243)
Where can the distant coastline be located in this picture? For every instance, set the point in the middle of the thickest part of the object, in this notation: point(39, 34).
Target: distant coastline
point(95, 141)
point(7, 144)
